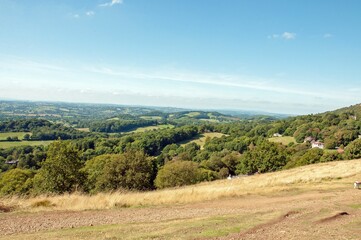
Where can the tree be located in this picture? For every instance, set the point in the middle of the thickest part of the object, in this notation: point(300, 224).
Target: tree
point(60, 171)
point(26, 137)
point(330, 156)
point(178, 173)
point(265, 157)
point(93, 171)
point(310, 157)
point(353, 150)
point(133, 170)
point(16, 181)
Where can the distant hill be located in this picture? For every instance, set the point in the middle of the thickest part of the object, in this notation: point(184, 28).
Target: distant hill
point(351, 110)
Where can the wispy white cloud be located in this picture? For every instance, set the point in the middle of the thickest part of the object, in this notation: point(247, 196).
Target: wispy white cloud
point(157, 86)
point(90, 13)
point(285, 36)
point(112, 3)
point(327, 35)
point(76, 16)
point(221, 80)
point(288, 35)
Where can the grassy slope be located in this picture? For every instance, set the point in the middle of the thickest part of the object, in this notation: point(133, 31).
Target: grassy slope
point(20, 135)
point(311, 182)
point(284, 140)
point(305, 177)
point(201, 139)
point(24, 143)
point(150, 128)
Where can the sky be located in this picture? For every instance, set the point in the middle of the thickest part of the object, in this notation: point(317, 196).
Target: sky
point(281, 56)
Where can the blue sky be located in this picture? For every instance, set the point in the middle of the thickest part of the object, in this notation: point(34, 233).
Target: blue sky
point(278, 56)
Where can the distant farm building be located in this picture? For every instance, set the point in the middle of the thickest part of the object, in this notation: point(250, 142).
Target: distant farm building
point(317, 144)
point(12, 162)
point(309, 139)
point(277, 135)
point(340, 150)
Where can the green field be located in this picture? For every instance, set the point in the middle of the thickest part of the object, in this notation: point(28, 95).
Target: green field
point(284, 140)
point(83, 129)
point(193, 114)
point(20, 135)
point(150, 128)
point(201, 139)
point(23, 143)
point(151, 117)
point(209, 120)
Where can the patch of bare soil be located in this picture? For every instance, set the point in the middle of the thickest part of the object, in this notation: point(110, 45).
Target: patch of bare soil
point(333, 217)
point(5, 209)
point(305, 216)
point(268, 224)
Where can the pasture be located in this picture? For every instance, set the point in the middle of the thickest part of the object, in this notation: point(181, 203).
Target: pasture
point(201, 139)
point(20, 135)
point(151, 117)
point(83, 129)
point(285, 140)
point(24, 143)
point(150, 128)
point(193, 114)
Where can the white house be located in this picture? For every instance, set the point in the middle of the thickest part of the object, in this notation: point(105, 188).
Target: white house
point(317, 144)
point(277, 135)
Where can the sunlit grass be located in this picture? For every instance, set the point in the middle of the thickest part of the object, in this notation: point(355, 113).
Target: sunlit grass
point(325, 176)
point(20, 135)
point(201, 139)
point(23, 143)
point(284, 140)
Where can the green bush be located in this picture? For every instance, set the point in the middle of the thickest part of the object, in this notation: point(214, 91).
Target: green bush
point(311, 156)
point(178, 173)
point(16, 181)
point(133, 170)
point(60, 171)
point(353, 150)
point(330, 156)
point(265, 157)
point(93, 171)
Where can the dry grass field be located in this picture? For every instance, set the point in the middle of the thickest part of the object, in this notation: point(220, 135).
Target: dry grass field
point(310, 202)
point(201, 139)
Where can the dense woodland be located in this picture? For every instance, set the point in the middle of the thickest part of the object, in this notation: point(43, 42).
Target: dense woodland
point(97, 161)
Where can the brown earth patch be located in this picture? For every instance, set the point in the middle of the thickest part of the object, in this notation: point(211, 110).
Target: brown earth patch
point(333, 217)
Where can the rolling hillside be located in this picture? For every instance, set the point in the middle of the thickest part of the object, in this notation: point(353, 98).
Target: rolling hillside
point(311, 202)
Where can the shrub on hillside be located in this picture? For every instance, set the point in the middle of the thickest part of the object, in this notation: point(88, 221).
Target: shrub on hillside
point(311, 156)
point(60, 171)
point(93, 171)
point(330, 156)
point(16, 181)
point(265, 157)
point(353, 150)
point(133, 170)
point(178, 173)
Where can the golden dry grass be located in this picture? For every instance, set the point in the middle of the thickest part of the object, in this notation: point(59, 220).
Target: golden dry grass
point(201, 139)
point(325, 176)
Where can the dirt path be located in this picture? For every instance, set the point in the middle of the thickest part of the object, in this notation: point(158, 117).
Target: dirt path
point(304, 216)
